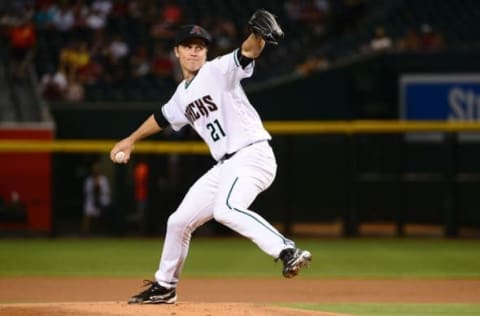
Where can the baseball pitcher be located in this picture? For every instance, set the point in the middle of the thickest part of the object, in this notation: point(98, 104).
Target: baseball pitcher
point(212, 101)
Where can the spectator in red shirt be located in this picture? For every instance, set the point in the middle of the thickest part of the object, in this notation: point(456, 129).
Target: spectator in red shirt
point(22, 43)
point(429, 39)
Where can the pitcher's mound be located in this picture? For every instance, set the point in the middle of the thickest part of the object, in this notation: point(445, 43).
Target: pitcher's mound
point(179, 309)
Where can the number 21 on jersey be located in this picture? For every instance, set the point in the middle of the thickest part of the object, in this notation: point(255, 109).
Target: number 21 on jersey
point(216, 130)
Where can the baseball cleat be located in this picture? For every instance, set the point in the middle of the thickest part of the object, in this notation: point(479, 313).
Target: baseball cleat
point(155, 294)
point(293, 260)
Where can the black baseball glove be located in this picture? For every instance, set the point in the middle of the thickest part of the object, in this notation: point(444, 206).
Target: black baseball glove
point(264, 24)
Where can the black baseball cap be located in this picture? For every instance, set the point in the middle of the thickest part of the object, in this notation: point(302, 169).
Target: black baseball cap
point(190, 31)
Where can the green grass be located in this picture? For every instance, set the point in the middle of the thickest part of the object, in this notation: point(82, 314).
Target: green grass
point(376, 258)
point(382, 309)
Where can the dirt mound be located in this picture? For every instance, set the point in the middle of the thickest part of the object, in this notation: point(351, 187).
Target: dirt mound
point(27, 296)
point(180, 309)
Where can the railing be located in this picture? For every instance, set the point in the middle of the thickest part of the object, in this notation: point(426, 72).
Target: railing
point(274, 127)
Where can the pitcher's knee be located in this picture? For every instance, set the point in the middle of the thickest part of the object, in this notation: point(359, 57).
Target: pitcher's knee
point(221, 214)
point(177, 223)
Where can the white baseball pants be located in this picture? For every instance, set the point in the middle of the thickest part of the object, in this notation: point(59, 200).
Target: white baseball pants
point(224, 193)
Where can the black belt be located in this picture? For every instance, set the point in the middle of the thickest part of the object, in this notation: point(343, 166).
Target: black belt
point(228, 156)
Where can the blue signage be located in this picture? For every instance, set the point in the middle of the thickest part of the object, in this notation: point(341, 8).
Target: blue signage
point(440, 97)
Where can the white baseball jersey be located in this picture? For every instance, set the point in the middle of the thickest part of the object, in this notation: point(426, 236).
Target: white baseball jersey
point(216, 106)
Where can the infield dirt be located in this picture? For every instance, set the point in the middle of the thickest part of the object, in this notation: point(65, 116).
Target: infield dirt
point(218, 297)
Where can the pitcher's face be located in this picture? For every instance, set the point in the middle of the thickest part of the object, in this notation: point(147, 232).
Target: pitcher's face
point(192, 54)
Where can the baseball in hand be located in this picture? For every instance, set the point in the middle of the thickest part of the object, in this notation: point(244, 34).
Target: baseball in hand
point(120, 157)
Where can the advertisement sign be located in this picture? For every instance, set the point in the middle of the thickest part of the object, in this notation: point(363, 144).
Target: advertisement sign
point(440, 97)
point(449, 97)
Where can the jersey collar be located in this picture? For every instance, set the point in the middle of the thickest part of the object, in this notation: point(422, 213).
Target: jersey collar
point(188, 82)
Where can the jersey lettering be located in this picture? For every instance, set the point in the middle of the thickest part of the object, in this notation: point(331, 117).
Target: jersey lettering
point(203, 110)
point(211, 105)
point(200, 107)
point(191, 114)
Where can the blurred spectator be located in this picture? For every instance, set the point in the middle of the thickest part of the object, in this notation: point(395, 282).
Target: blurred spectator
point(172, 13)
point(44, 16)
point(430, 40)
point(22, 44)
point(116, 61)
point(380, 41)
point(141, 177)
point(90, 73)
point(140, 62)
point(97, 45)
point(67, 56)
point(97, 198)
point(73, 58)
point(102, 6)
point(410, 42)
point(96, 39)
point(63, 17)
point(54, 84)
point(16, 203)
point(80, 29)
point(167, 21)
point(162, 65)
point(75, 92)
point(95, 20)
point(160, 30)
point(74, 62)
point(321, 9)
point(14, 210)
point(118, 48)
